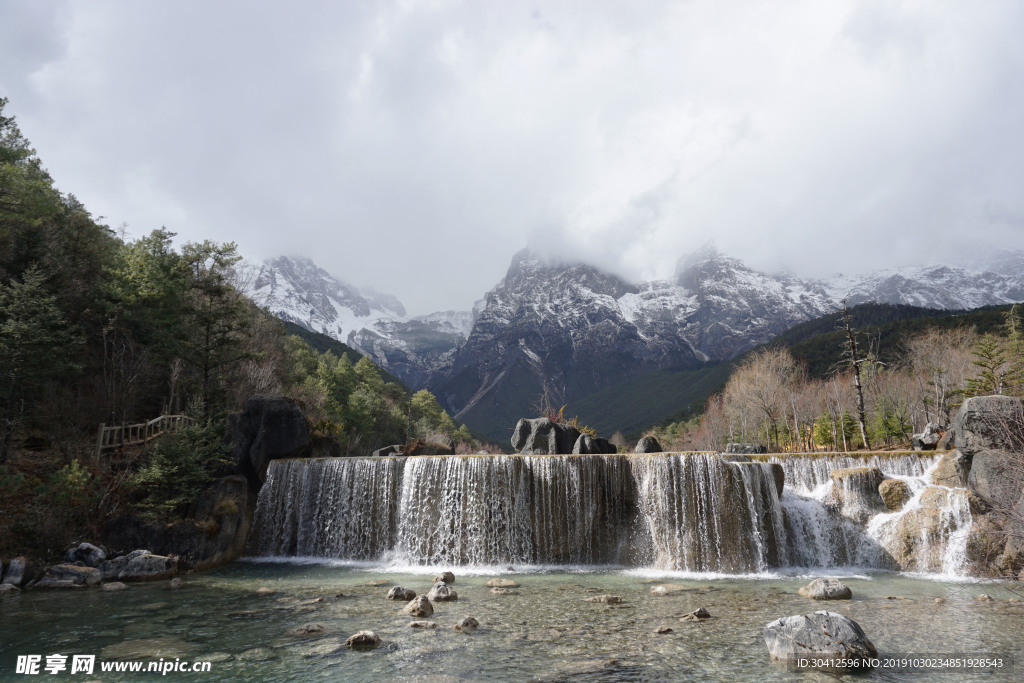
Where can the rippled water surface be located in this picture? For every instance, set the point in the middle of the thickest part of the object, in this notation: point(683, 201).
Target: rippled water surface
point(545, 630)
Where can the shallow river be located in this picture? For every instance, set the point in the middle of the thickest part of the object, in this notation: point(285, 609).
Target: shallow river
point(545, 630)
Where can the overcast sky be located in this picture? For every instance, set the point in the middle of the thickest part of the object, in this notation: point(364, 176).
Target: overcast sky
point(415, 146)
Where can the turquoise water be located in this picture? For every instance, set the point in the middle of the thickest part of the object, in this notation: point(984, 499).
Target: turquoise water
point(545, 630)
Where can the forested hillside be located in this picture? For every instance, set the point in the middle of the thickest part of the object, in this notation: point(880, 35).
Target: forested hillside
point(97, 329)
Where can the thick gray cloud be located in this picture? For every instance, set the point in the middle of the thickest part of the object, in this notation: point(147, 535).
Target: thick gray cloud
point(414, 146)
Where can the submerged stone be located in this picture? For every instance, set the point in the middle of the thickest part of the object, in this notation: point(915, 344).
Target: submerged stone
point(826, 589)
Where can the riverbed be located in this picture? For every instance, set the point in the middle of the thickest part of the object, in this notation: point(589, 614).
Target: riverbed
point(241, 619)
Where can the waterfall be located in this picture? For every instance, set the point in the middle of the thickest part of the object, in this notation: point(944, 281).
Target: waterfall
point(704, 514)
point(687, 512)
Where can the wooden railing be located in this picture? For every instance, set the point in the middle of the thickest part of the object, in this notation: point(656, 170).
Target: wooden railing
point(137, 434)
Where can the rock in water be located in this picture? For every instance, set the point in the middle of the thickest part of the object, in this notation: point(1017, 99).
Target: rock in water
point(445, 577)
point(419, 607)
point(606, 599)
point(363, 640)
point(826, 589)
point(466, 625)
point(502, 583)
point(696, 615)
point(422, 624)
point(895, 493)
point(648, 444)
point(824, 636)
point(442, 592)
point(399, 593)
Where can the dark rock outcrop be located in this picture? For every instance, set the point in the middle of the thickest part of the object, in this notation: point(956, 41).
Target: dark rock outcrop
point(541, 436)
point(989, 423)
point(216, 533)
point(86, 553)
point(648, 444)
point(587, 445)
point(270, 428)
point(824, 635)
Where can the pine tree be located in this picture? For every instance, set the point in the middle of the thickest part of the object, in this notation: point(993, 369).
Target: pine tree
point(35, 348)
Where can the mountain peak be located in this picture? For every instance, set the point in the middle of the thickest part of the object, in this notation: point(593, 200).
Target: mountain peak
point(706, 261)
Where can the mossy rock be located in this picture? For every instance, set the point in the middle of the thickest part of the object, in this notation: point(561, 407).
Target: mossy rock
point(895, 493)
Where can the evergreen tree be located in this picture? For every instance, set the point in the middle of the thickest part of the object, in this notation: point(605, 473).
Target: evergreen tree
point(35, 348)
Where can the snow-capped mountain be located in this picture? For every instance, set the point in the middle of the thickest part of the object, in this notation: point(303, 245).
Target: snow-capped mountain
point(297, 290)
point(566, 330)
point(930, 287)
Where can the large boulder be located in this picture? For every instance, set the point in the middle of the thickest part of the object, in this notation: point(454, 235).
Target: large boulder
point(989, 423)
point(895, 493)
point(139, 565)
point(588, 444)
point(928, 439)
point(998, 477)
point(67, 576)
point(86, 553)
point(820, 636)
point(541, 436)
point(826, 589)
point(270, 428)
point(648, 444)
point(216, 533)
point(952, 470)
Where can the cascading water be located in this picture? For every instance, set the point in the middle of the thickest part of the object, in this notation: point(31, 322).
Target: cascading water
point(688, 512)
